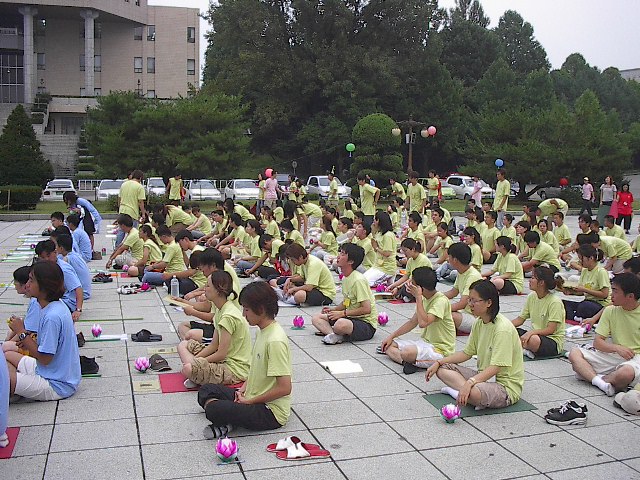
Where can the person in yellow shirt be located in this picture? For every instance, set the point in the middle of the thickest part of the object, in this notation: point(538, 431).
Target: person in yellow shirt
point(151, 252)
point(313, 284)
point(460, 260)
point(541, 253)
point(131, 199)
point(369, 196)
point(327, 245)
point(561, 231)
point(501, 199)
point(415, 259)
point(175, 189)
point(433, 186)
point(547, 236)
point(362, 238)
point(262, 187)
point(496, 344)
point(510, 278)
point(397, 189)
point(613, 230)
point(333, 197)
point(550, 206)
point(416, 194)
point(508, 230)
point(270, 247)
point(616, 251)
point(172, 263)
point(384, 245)
point(489, 236)
point(202, 226)
point(433, 316)
point(614, 365)
point(355, 318)
point(547, 315)
point(264, 401)
point(131, 248)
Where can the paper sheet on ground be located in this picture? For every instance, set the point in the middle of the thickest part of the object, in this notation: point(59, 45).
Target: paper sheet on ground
point(342, 366)
point(285, 304)
point(161, 350)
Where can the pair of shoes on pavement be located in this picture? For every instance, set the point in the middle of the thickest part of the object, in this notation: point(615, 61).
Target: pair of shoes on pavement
point(569, 413)
point(102, 278)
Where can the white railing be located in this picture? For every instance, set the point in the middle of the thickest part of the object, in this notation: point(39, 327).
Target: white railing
point(87, 185)
point(8, 31)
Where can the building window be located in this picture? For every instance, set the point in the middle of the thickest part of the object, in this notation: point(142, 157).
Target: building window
point(83, 92)
point(151, 64)
point(97, 30)
point(151, 94)
point(82, 62)
point(191, 34)
point(137, 65)
point(151, 33)
point(191, 66)
point(97, 63)
point(42, 89)
point(97, 92)
point(41, 27)
point(41, 62)
point(137, 33)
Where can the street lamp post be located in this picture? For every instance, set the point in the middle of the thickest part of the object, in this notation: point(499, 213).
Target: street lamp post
point(410, 138)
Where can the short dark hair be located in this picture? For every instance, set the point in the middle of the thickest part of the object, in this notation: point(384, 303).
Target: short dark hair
point(236, 218)
point(492, 214)
point(50, 279)
point(413, 174)
point(532, 237)
point(609, 218)
point(264, 238)
point(73, 219)
point(212, 257)
point(585, 218)
point(488, 291)
point(632, 264)
point(588, 251)
point(546, 276)
point(628, 283)
point(416, 217)
point(57, 216)
point(260, 298)
point(61, 230)
point(361, 176)
point(163, 231)
point(65, 241)
point(425, 277)
point(182, 234)
point(159, 219)
point(125, 219)
point(137, 174)
point(559, 213)
point(21, 274)
point(296, 250)
point(355, 253)
point(347, 221)
point(461, 252)
point(45, 246)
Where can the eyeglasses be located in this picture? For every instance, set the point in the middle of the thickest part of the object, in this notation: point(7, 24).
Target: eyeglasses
point(473, 301)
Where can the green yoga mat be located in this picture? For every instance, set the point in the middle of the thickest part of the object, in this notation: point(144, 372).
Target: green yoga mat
point(559, 355)
point(438, 400)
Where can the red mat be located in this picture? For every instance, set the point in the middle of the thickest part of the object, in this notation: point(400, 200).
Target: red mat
point(572, 322)
point(174, 383)
point(461, 334)
point(397, 301)
point(7, 452)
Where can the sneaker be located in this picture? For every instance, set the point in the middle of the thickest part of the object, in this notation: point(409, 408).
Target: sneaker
point(332, 339)
point(190, 384)
point(211, 431)
point(80, 339)
point(573, 403)
point(528, 354)
point(409, 368)
point(569, 414)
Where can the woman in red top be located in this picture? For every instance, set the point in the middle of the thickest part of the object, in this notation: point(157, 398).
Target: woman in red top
point(625, 207)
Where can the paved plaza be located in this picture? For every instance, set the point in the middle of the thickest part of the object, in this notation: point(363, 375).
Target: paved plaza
point(375, 423)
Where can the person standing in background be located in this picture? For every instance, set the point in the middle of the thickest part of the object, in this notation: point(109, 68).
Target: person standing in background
point(501, 200)
point(587, 197)
point(261, 191)
point(174, 189)
point(476, 194)
point(271, 190)
point(625, 207)
point(608, 193)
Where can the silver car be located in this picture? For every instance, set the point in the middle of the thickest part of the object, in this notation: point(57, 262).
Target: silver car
point(156, 186)
point(241, 189)
point(55, 189)
point(463, 186)
point(319, 185)
point(202, 190)
point(108, 188)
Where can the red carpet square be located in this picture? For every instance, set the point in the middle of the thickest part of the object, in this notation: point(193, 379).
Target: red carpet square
point(7, 452)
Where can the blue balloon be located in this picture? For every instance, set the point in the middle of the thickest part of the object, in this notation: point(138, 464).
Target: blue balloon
point(499, 162)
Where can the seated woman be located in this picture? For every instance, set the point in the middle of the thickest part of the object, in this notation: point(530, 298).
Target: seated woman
point(264, 401)
point(231, 207)
point(384, 246)
point(415, 258)
point(234, 243)
point(226, 359)
point(313, 284)
point(495, 342)
point(510, 278)
point(594, 284)
point(175, 218)
point(327, 245)
point(247, 261)
point(290, 233)
point(546, 312)
point(52, 369)
point(151, 252)
point(202, 226)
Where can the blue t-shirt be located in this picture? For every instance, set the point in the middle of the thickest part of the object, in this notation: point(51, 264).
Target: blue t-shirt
point(88, 207)
point(32, 318)
point(71, 282)
point(82, 271)
point(82, 244)
point(4, 394)
point(57, 337)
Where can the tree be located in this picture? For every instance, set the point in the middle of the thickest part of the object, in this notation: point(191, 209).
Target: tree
point(522, 51)
point(21, 160)
point(376, 149)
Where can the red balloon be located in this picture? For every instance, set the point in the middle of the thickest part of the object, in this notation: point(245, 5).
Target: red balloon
point(564, 182)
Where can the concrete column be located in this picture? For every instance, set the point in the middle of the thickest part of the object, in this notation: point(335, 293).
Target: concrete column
point(89, 50)
point(28, 13)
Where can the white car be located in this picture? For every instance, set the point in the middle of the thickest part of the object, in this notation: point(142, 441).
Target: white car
point(463, 186)
point(241, 189)
point(108, 188)
point(202, 190)
point(319, 184)
point(55, 189)
point(156, 186)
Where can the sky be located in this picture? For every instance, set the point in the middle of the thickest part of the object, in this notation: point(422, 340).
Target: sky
point(606, 32)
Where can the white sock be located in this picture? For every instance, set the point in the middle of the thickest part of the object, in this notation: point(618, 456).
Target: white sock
point(528, 353)
point(480, 407)
point(450, 391)
point(190, 384)
point(606, 387)
point(4, 440)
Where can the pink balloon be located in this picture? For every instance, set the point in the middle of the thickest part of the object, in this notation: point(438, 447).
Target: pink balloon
point(432, 130)
point(268, 172)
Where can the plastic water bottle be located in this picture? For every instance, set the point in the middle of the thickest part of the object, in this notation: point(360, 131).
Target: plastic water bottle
point(175, 287)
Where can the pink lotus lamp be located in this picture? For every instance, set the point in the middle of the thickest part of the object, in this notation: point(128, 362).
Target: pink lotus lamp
point(450, 412)
point(383, 318)
point(96, 330)
point(142, 364)
point(226, 450)
point(298, 322)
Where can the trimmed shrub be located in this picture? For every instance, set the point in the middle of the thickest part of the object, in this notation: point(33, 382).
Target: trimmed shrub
point(20, 197)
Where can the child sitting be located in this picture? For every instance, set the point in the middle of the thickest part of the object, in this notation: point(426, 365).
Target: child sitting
point(171, 264)
point(32, 317)
point(151, 252)
point(415, 259)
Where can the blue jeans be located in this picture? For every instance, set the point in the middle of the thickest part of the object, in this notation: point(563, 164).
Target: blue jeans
point(153, 278)
point(243, 265)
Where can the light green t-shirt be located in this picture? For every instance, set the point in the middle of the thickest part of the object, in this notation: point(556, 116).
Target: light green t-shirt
point(369, 254)
point(355, 289)
point(254, 249)
point(261, 189)
point(174, 188)
point(293, 192)
point(333, 190)
point(395, 220)
point(441, 333)
point(503, 188)
point(367, 197)
point(311, 210)
point(510, 263)
point(543, 310)
point(271, 358)
point(296, 237)
point(596, 279)
point(348, 214)
point(243, 212)
point(433, 183)
point(476, 256)
point(236, 282)
point(174, 259)
point(497, 343)
point(623, 326)
point(386, 243)
point(562, 235)
point(177, 215)
point(463, 283)
point(417, 195)
point(489, 236)
point(635, 246)
point(205, 224)
point(316, 273)
point(330, 243)
point(615, 231)
point(398, 190)
point(545, 253)
point(547, 208)
point(238, 357)
point(131, 192)
point(278, 214)
point(615, 247)
point(135, 243)
point(509, 232)
point(155, 254)
point(443, 244)
point(273, 229)
point(198, 278)
point(420, 261)
point(275, 249)
point(417, 234)
point(550, 239)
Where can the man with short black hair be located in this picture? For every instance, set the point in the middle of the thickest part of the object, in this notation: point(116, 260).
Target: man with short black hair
point(460, 260)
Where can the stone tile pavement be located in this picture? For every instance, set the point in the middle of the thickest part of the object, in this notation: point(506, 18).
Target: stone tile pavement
point(375, 423)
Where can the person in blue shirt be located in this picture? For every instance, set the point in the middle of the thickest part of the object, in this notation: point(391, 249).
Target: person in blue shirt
point(52, 369)
point(64, 245)
point(4, 401)
point(89, 216)
point(81, 241)
point(72, 296)
point(31, 319)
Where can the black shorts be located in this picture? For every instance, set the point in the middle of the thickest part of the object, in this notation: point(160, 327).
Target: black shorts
point(361, 330)
point(88, 225)
point(316, 298)
point(492, 259)
point(509, 288)
point(547, 348)
point(207, 328)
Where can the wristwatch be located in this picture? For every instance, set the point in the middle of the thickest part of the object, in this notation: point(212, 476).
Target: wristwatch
point(22, 336)
point(79, 310)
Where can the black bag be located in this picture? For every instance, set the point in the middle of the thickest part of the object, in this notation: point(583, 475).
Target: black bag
point(88, 365)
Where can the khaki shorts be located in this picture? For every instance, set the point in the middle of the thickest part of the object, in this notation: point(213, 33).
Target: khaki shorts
point(494, 395)
point(467, 321)
point(604, 363)
point(203, 371)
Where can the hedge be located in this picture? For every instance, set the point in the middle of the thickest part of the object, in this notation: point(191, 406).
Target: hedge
point(23, 197)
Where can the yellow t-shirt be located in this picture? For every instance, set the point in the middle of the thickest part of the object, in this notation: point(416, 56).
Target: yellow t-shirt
point(369, 254)
point(547, 208)
point(278, 214)
point(348, 214)
point(615, 231)
point(386, 243)
point(398, 190)
point(509, 232)
point(543, 310)
point(330, 243)
point(355, 289)
point(131, 192)
point(503, 188)
point(615, 247)
point(273, 229)
point(177, 215)
point(510, 263)
point(174, 188)
point(367, 197)
point(238, 356)
point(417, 195)
point(155, 254)
point(596, 279)
point(476, 257)
point(545, 253)
point(550, 239)
point(243, 212)
point(433, 183)
point(240, 236)
point(271, 358)
point(497, 343)
point(275, 249)
point(635, 246)
point(417, 235)
point(236, 282)
point(443, 244)
point(296, 237)
point(562, 235)
point(205, 224)
point(420, 261)
point(261, 188)
point(174, 259)
point(254, 248)
point(293, 191)
point(198, 278)
point(489, 237)
point(135, 243)
point(463, 284)
point(316, 273)
point(623, 326)
point(395, 220)
point(333, 190)
point(441, 333)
